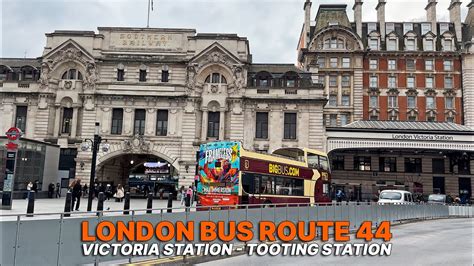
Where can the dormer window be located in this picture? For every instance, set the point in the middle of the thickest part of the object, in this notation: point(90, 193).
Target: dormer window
point(216, 78)
point(392, 45)
point(4, 73)
point(389, 27)
point(425, 28)
point(448, 45)
point(429, 45)
point(372, 26)
point(263, 79)
point(410, 45)
point(373, 44)
point(72, 74)
point(407, 27)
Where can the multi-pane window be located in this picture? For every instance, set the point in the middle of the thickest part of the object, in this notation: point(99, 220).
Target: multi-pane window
point(392, 64)
point(392, 101)
point(346, 81)
point(362, 163)
point(332, 81)
point(117, 121)
point(429, 64)
point(332, 100)
point(389, 27)
point(425, 28)
point(373, 64)
point(215, 78)
point(371, 26)
point(429, 46)
point(322, 80)
point(322, 62)
point(410, 45)
point(261, 131)
point(430, 102)
point(413, 165)
point(333, 62)
point(139, 122)
point(72, 74)
point(443, 27)
point(410, 64)
point(338, 162)
point(346, 100)
point(344, 119)
point(20, 119)
point(392, 45)
point(448, 65)
point(448, 45)
point(67, 121)
point(437, 166)
point(213, 124)
point(449, 102)
point(392, 82)
point(162, 123)
point(388, 164)
point(374, 101)
point(346, 62)
point(429, 82)
point(411, 101)
point(120, 75)
point(289, 131)
point(142, 75)
point(333, 120)
point(410, 82)
point(374, 44)
point(448, 82)
point(407, 27)
point(374, 82)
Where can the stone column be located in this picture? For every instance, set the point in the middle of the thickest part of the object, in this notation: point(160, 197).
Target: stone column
point(222, 125)
point(74, 122)
point(57, 123)
point(205, 116)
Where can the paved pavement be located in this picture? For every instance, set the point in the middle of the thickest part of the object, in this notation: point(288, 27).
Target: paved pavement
point(57, 205)
point(437, 242)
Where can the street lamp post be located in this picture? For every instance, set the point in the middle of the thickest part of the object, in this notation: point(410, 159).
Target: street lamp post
point(95, 147)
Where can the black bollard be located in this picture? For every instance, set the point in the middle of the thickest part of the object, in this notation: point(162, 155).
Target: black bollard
point(31, 204)
point(149, 203)
point(100, 203)
point(126, 204)
point(170, 203)
point(67, 205)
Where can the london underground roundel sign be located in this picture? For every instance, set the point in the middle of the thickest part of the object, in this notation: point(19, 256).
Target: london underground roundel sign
point(13, 134)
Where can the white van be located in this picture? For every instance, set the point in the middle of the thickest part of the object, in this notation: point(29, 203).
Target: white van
point(395, 197)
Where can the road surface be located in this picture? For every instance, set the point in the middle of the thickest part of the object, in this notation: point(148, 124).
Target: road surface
point(436, 242)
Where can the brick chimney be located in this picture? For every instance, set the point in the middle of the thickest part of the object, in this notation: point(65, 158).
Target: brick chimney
point(358, 16)
point(381, 17)
point(455, 17)
point(431, 15)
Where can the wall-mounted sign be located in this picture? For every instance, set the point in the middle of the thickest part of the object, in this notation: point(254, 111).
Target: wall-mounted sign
point(422, 137)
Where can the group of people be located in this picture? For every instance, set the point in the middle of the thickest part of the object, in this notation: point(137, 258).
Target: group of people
point(184, 193)
point(109, 191)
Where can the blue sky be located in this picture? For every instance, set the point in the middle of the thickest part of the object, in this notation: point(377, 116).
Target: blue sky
point(272, 26)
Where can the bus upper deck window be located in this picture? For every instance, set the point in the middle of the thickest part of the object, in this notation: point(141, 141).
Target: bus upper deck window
point(313, 161)
point(323, 162)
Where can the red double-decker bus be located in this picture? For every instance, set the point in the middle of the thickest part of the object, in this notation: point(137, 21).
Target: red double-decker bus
point(229, 175)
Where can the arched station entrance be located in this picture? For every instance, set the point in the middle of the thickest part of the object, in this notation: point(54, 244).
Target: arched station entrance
point(139, 173)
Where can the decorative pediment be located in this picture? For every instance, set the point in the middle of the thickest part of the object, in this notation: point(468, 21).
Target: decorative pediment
point(374, 91)
point(68, 51)
point(411, 34)
point(393, 91)
point(374, 34)
point(392, 35)
point(447, 35)
point(429, 35)
point(430, 92)
point(412, 91)
point(214, 54)
point(449, 92)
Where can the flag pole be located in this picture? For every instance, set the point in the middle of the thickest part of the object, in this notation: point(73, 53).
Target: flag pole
point(148, 19)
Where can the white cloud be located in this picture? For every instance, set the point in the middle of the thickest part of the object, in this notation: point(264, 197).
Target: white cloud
point(272, 27)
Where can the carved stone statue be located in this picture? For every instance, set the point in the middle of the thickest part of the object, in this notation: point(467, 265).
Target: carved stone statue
point(91, 76)
point(239, 79)
point(44, 79)
point(191, 77)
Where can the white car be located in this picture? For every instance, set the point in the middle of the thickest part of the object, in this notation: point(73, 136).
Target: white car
point(395, 197)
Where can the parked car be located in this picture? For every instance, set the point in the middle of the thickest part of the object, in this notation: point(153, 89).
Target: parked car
point(440, 199)
point(395, 197)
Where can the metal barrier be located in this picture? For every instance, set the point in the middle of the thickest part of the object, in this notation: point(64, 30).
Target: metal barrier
point(54, 239)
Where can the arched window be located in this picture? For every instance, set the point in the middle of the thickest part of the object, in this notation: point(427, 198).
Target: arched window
point(264, 79)
point(290, 80)
point(28, 73)
point(4, 72)
point(72, 74)
point(334, 43)
point(216, 78)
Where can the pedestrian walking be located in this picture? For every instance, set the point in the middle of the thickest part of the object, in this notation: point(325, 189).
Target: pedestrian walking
point(190, 193)
point(182, 194)
point(35, 186)
point(119, 194)
point(29, 186)
point(76, 193)
point(50, 190)
point(58, 190)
